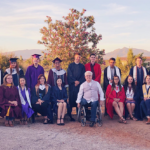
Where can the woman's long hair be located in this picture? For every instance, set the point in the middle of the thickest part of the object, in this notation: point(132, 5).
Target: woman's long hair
point(38, 84)
point(126, 84)
point(17, 68)
point(23, 77)
point(5, 82)
point(145, 79)
point(113, 83)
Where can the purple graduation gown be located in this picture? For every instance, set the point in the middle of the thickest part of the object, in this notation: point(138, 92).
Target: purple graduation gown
point(26, 108)
point(32, 74)
point(10, 94)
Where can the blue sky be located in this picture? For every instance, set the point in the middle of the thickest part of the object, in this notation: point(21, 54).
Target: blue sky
point(121, 23)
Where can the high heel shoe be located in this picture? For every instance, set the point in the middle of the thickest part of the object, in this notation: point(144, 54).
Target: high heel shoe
point(63, 122)
point(58, 123)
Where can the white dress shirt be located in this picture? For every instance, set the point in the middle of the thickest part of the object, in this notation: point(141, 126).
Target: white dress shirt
point(80, 94)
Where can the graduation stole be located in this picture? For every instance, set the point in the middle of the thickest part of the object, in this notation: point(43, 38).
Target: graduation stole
point(129, 94)
point(109, 73)
point(37, 89)
point(135, 74)
point(145, 94)
point(27, 96)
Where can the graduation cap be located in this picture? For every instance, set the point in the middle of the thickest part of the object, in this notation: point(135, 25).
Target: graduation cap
point(36, 56)
point(57, 59)
point(13, 59)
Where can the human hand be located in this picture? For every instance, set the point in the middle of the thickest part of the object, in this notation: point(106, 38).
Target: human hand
point(15, 103)
point(78, 105)
point(37, 103)
point(101, 103)
point(77, 83)
point(111, 81)
point(62, 101)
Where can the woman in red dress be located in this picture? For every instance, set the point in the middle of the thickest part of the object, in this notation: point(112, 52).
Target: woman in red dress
point(115, 98)
point(10, 101)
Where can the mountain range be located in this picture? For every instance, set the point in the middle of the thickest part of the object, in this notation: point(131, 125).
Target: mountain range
point(121, 52)
point(26, 53)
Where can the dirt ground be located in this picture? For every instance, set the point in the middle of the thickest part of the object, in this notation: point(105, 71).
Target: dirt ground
point(112, 135)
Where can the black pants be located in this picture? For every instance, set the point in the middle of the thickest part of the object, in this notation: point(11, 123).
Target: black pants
point(42, 109)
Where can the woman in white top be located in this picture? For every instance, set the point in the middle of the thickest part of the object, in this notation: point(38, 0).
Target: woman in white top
point(129, 87)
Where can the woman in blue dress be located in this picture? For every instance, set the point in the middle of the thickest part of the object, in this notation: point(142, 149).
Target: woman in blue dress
point(59, 98)
point(59, 95)
point(14, 70)
point(25, 97)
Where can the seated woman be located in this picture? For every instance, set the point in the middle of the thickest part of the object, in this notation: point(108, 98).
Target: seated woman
point(41, 98)
point(59, 98)
point(129, 87)
point(59, 95)
point(25, 97)
point(145, 103)
point(115, 98)
point(10, 101)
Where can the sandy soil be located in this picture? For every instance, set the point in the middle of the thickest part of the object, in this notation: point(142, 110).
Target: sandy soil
point(112, 135)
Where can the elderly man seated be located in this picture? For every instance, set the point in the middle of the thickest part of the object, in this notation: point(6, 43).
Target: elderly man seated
point(88, 95)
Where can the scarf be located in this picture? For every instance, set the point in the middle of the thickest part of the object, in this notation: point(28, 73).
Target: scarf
point(109, 73)
point(145, 93)
point(135, 74)
point(27, 96)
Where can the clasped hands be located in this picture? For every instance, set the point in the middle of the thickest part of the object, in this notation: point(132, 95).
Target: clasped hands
point(39, 101)
point(76, 83)
point(116, 99)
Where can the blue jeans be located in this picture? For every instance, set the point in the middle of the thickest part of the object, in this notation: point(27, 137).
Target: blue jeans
point(93, 107)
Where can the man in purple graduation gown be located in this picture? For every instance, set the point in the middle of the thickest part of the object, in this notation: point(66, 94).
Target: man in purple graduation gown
point(57, 72)
point(34, 71)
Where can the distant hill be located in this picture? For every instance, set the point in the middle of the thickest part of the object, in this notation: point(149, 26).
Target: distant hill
point(26, 53)
point(123, 53)
point(118, 52)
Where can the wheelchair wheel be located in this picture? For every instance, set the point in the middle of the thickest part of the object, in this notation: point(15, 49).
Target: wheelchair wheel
point(79, 115)
point(99, 117)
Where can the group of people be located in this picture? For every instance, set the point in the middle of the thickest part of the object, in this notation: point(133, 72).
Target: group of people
point(23, 96)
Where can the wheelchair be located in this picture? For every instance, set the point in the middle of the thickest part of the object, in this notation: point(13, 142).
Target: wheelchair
point(82, 115)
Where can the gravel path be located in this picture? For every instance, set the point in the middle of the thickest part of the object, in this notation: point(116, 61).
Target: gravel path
point(112, 135)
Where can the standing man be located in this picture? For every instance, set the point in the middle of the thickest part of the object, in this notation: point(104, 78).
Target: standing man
point(139, 74)
point(56, 73)
point(34, 71)
point(109, 73)
point(75, 72)
point(94, 67)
